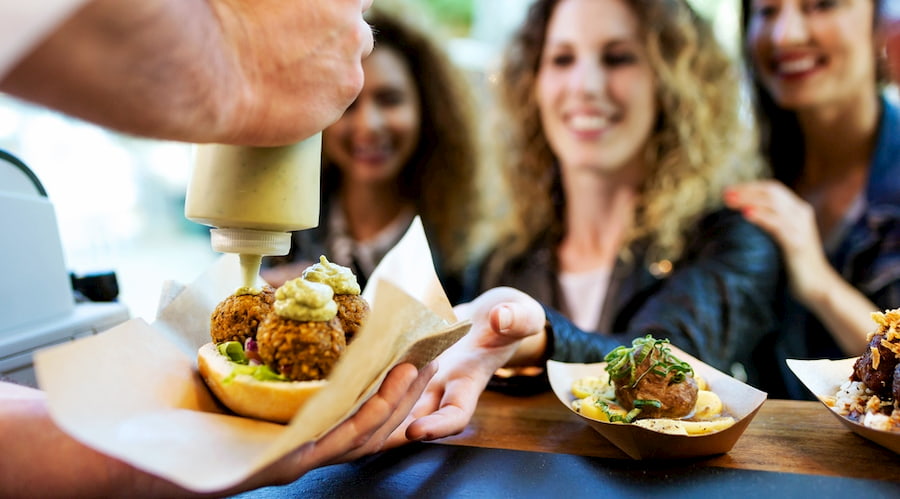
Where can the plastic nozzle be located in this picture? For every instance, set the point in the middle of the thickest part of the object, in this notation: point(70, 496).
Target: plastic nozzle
point(250, 241)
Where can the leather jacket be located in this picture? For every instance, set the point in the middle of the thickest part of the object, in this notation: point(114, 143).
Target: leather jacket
point(716, 303)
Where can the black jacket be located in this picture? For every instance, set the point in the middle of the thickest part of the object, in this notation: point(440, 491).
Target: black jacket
point(716, 303)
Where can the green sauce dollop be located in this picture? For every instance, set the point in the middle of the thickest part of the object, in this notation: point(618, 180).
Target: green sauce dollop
point(340, 278)
point(303, 300)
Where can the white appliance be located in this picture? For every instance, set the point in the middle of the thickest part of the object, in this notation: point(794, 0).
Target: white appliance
point(37, 305)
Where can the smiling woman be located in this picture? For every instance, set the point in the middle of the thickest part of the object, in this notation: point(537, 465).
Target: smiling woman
point(818, 74)
point(616, 227)
point(405, 147)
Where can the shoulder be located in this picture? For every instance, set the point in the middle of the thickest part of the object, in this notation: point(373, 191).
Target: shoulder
point(724, 235)
point(884, 177)
point(729, 225)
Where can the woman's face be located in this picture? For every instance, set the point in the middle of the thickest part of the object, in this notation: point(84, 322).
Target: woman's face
point(595, 88)
point(812, 52)
point(378, 133)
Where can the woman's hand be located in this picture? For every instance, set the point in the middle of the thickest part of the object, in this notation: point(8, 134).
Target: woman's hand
point(791, 222)
point(507, 327)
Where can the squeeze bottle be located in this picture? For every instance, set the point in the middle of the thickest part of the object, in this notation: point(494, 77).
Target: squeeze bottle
point(253, 197)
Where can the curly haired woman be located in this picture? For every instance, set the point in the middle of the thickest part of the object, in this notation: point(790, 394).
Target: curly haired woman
point(625, 128)
point(405, 147)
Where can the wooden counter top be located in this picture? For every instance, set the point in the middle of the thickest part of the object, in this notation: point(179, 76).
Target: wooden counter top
point(526, 447)
point(785, 436)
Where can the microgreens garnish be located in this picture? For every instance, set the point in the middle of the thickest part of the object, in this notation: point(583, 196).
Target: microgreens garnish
point(622, 363)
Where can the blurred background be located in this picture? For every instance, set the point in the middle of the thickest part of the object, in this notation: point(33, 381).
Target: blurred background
point(119, 200)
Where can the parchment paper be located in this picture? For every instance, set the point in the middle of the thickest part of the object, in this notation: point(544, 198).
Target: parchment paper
point(823, 377)
point(740, 400)
point(134, 393)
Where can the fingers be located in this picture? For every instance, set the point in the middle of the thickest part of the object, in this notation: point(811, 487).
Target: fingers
point(770, 205)
point(367, 39)
point(349, 440)
point(455, 405)
point(400, 417)
point(516, 320)
point(767, 194)
point(366, 35)
point(463, 310)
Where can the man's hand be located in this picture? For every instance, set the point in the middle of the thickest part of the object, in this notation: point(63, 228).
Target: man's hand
point(261, 72)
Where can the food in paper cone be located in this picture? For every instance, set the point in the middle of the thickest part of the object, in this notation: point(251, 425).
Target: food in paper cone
point(271, 374)
point(871, 395)
point(647, 385)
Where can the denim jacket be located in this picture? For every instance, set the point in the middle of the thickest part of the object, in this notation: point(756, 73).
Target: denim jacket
point(868, 257)
point(716, 303)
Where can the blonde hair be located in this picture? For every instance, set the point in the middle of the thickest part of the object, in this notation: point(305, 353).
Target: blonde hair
point(703, 140)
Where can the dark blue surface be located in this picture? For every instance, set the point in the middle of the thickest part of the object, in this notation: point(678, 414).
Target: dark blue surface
point(432, 470)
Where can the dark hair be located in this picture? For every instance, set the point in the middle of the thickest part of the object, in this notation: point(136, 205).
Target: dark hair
point(781, 139)
point(441, 174)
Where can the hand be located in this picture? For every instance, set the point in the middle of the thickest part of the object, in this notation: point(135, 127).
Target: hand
point(507, 326)
point(791, 222)
point(261, 72)
point(68, 468)
point(363, 434)
point(301, 60)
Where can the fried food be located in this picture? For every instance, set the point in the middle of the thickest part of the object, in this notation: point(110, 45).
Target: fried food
point(648, 386)
point(871, 394)
point(649, 377)
point(352, 307)
point(876, 367)
point(237, 317)
point(300, 350)
point(293, 349)
point(353, 310)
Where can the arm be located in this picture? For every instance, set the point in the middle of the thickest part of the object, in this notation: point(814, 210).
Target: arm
point(265, 72)
point(812, 280)
point(40, 460)
point(717, 303)
point(507, 329)
point(716, 306)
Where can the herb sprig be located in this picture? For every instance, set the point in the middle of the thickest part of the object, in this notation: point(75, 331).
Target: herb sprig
point(622, 362)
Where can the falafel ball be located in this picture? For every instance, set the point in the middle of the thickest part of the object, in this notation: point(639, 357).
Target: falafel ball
point(353, 310)
point(238, 317)
point(300, 350)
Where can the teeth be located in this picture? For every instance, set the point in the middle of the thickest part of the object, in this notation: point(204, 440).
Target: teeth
point(582, 122)
point(796, 66)
point(368, 151)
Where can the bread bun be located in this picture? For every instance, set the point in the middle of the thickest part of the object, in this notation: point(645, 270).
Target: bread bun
point(276, 401)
